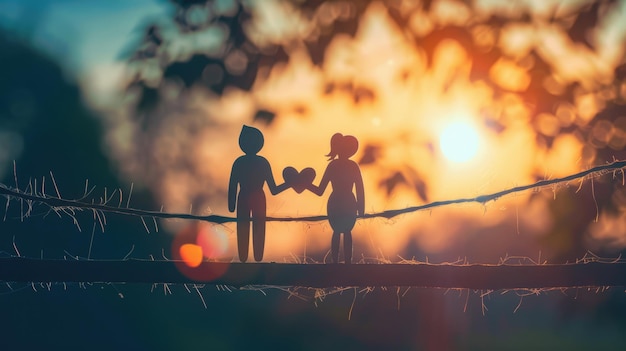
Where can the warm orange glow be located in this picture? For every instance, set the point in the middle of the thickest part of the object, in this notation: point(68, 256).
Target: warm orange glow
point(404, 118)
point(191, 254)
point(443, 125)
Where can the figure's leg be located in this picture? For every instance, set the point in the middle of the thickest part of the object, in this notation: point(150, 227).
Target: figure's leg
point(258, 228)
point(243, 230)
point(347, 247)
point(334, 247)
point(243, 238)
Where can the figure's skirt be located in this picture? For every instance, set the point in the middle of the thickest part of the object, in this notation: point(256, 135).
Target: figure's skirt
point(342, 210)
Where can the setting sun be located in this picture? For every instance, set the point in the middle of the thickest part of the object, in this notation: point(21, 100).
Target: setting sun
point(459, 142)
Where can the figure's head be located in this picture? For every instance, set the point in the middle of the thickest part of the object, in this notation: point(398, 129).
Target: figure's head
point(342, 146)
point(250, 140)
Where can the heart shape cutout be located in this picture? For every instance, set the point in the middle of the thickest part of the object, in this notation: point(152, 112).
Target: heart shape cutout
point(298, 180)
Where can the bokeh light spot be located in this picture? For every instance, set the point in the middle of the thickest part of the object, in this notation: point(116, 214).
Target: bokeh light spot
point(191, 254)
point(459, 142)
point(194, 243)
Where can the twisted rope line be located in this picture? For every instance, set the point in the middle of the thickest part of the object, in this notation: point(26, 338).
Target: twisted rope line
point(59, 203)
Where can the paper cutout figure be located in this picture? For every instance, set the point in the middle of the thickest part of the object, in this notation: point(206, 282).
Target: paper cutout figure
point(245, 192)
point(343, 207)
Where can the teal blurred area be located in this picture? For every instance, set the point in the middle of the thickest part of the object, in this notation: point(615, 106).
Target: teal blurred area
point(78, 34)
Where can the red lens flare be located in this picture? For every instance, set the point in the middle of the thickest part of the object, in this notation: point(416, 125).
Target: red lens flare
point(196, 243)
point(213, 240)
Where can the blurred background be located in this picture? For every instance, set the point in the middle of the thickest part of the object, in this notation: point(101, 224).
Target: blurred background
point(448, 99)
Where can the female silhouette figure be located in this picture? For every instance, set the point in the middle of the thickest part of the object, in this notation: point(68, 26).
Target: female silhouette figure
point(343, 207)
point(250, 172)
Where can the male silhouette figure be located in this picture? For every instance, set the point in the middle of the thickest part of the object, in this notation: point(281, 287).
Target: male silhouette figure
point(245, 192)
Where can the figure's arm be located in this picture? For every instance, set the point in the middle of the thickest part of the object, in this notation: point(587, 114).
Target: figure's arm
point(232, 188)
point(360, 193)
point(276, 189)
point(319, 190)
point(271, 183)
